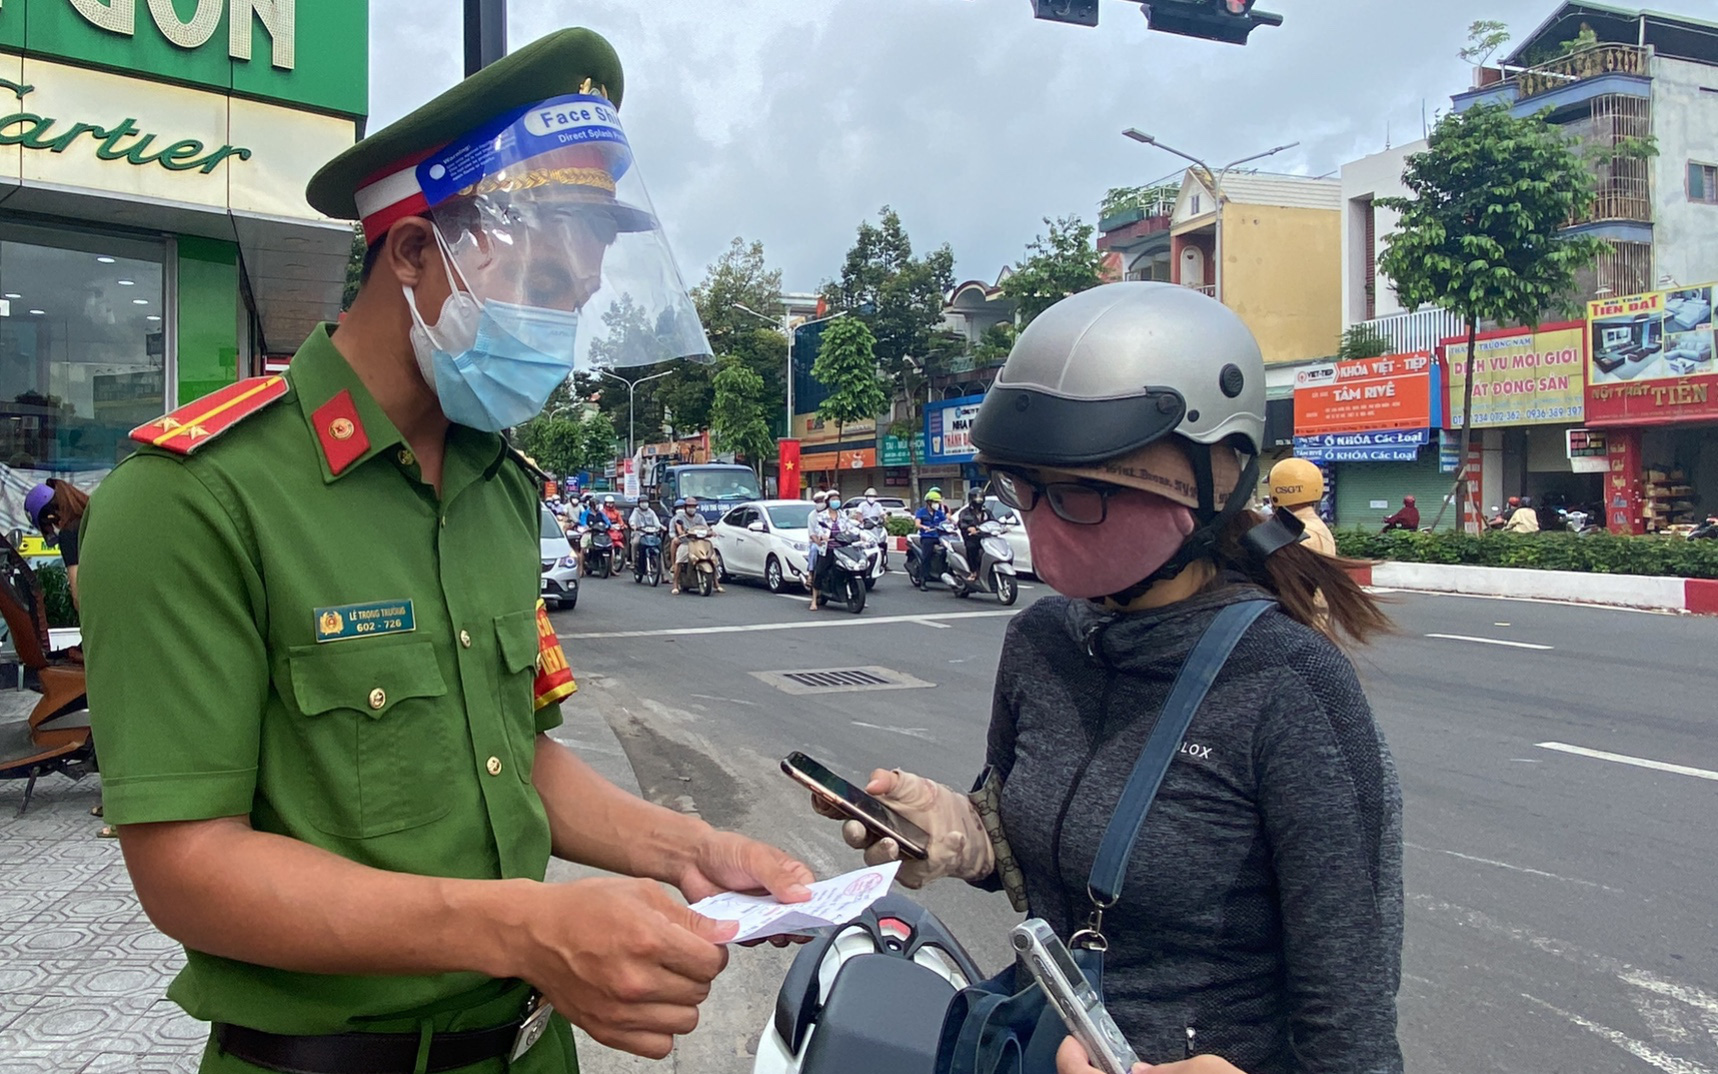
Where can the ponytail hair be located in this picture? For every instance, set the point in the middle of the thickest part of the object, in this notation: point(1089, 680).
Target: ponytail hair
point(1315, 589)
point(66, 509)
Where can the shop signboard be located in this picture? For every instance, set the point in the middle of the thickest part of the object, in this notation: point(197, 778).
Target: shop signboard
point(1650, 358)
point(1525, 377)
point(948, 429)
point(894, 451)
point(1587, 451)
point(1393, 393)
point(814, 430)
point(1397, 445)
point(308, 53)
point(1449, 451)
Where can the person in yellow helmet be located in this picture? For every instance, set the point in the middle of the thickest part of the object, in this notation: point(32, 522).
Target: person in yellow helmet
point(1298, 485)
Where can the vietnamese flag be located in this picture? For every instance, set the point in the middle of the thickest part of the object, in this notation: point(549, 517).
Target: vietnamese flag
point(787, 482)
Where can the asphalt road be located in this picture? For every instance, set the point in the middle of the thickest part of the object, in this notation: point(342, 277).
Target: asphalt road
point(1559, 768)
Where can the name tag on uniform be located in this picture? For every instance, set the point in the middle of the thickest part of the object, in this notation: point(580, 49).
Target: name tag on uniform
point(365, 620)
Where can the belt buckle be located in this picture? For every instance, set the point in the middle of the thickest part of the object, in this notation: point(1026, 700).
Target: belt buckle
point(531, 1030)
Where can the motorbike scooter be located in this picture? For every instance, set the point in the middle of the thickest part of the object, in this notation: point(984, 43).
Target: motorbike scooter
point(699, 570)
point(919, 572)
point(647, 565)
point(848, 575)
point(869, 996)
point(600, 560)
point(995, 567)
point(879, 535)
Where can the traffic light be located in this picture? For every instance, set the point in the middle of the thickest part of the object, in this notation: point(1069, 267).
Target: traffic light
point(1078, 12)
point(1228, 21)
point(1214, 20)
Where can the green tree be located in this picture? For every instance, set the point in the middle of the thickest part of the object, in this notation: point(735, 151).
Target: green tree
point(900, 298)
point(354, 268)
point(996, 345)
point(737, 421)
point(1056, 265)
point(1362, 341)
point(847, 365)
point(741, 276)
point(1119, 199)
point(1481, 235)
point(1484, 37)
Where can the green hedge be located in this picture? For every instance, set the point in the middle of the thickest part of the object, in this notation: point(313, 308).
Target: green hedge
point(1594, 553)
point(900, 527)
point(57, 595)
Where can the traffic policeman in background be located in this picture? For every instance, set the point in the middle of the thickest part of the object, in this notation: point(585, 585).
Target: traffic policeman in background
point(322, 679)
point(1297, 485)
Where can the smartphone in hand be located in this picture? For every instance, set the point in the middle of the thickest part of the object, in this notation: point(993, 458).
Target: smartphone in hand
point(878, 818)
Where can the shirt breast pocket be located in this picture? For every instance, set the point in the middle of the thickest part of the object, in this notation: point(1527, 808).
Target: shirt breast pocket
point(377, 738)
point(516, 643)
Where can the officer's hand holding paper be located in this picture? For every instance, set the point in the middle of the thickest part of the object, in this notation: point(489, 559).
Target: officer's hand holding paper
point(833, 902)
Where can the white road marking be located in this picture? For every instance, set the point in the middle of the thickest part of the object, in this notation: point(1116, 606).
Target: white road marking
point(1512, 868)
point(1646, 1053)
point(809, 624)
point(1623, 758)
point(1489, 641)
point(1524, 600)
point(924, 621)
point(724, 700)
point(910, 732)
point(1592, 961)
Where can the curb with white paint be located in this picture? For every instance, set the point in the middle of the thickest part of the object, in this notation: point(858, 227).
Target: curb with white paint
point(1697, 595)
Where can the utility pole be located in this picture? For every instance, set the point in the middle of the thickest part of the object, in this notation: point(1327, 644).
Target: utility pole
point(485, 33)
point(631, 387)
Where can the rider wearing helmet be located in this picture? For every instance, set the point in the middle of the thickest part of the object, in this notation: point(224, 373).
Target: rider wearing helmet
point(825, 523)
point(930, 517)
point(1522, 517)
point(972, 516)
point(56, 509)
point(1262, 911)
point(1408, 518)
point(1297, 485)
point(871, 512)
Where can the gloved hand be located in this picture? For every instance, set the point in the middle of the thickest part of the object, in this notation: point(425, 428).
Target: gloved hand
point(958, 844)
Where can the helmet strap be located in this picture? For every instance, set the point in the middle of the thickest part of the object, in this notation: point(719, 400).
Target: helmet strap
point(1202, 542)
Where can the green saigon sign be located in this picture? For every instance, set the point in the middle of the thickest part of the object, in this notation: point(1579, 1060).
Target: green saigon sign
point(34, 131)
point(309, 53)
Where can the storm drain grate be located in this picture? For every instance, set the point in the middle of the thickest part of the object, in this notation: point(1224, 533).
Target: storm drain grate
point(840, 680)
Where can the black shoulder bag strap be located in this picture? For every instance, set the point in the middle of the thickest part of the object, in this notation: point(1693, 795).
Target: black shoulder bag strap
point(1192, 684)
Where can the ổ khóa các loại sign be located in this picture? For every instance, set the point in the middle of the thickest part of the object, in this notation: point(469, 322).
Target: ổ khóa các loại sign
point(1525, 376)
point(1650, 358)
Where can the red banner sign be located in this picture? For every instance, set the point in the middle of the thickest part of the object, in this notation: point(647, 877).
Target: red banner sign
point(1651, 358)
point(787, 478)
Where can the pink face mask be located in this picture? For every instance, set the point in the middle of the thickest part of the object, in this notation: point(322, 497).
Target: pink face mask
point(1138, 535)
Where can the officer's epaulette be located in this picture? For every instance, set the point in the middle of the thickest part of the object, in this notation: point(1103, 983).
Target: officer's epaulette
point(197, 423)
point(528, 463)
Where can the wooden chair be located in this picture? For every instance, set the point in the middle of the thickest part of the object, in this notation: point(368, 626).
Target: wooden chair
point(55, 737)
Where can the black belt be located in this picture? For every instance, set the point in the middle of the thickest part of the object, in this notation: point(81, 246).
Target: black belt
point(363, 1053)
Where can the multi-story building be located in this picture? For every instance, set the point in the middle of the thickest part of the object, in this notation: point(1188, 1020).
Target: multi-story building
point(1643, 100)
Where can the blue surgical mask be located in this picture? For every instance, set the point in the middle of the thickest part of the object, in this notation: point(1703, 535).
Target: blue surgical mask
point(493, 364)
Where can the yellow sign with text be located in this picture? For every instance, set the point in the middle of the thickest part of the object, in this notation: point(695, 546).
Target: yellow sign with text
point(1524, 377)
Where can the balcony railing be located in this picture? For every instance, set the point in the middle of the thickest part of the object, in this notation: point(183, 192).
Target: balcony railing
point(1580, 66)
point(1208, 290)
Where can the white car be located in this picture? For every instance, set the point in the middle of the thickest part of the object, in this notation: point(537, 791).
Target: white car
point(764, 539)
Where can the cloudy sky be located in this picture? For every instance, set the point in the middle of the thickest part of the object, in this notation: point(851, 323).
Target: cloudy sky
point(791, 120)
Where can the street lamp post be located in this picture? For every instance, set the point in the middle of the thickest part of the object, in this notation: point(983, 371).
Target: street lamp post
point(1216, 180)
point(631, 388)
point(790, 329)
point(485, 33)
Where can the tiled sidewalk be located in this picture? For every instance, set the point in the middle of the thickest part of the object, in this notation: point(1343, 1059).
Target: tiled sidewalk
point(82, 971)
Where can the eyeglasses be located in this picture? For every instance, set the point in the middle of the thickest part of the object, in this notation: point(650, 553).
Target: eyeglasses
point(1083, 503)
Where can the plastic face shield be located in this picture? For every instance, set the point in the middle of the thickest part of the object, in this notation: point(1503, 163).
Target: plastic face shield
point(546, 208)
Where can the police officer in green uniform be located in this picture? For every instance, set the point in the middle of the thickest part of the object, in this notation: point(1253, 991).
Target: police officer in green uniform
point(321, 675)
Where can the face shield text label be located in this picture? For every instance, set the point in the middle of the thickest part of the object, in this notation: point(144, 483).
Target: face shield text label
point(520, 136)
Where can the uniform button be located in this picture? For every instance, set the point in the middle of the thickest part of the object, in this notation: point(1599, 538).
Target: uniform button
point(406, 457)
point(465, 638)
point(495, 766)
point(378, 698)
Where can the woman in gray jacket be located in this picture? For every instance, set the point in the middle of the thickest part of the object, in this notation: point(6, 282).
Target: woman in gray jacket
point(1261, 917)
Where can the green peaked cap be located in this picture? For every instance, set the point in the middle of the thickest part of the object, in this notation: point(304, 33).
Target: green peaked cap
point(551, 66)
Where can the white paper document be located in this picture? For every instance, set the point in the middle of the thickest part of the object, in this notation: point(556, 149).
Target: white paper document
point(833, 902)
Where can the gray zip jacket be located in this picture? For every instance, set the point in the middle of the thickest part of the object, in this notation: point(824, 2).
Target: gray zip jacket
point(1262, 914)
